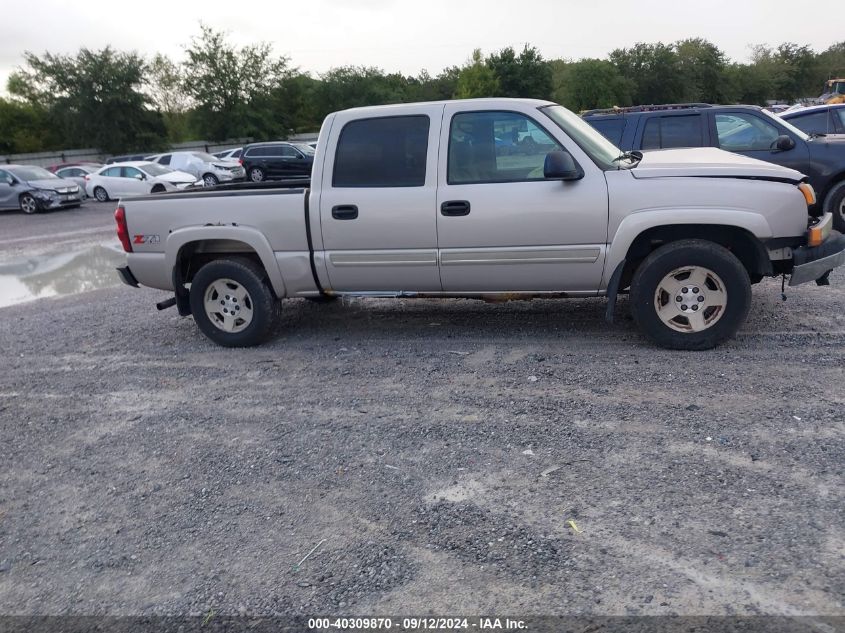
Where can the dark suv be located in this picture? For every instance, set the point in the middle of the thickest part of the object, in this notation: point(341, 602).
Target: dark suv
point(746, 130)
point(275, 161)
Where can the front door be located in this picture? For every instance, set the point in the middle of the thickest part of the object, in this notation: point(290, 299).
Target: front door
point(377, 201)
point(501, 226)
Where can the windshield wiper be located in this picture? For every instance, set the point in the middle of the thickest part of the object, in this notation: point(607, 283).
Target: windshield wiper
point(628, 156)
point(816, 134)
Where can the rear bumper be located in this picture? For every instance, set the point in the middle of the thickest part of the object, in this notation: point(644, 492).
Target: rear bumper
point(127, 277)
point(811, 263)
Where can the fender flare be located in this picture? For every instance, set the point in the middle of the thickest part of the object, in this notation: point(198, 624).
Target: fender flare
point(636, 223)
point(248, 235)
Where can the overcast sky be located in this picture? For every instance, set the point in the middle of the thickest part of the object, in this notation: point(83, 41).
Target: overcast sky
point(406, 36)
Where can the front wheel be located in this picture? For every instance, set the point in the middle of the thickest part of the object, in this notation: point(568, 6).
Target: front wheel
point(232, 302)
point(835, 204)
point(210, 180)
point(690, 295)
point(29, 204)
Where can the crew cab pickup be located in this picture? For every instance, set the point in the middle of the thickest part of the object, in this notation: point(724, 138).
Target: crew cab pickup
point(426, 200)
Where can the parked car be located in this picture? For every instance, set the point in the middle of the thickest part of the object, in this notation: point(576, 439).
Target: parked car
point(746, 130)
point(205, 167)
point(277, 160)
point(134, 178)
point(126, 158)
point(84, 163)
point(821, 119)
point(32, 189)
point(412, 200)
point(230, 153)
point(78, 173)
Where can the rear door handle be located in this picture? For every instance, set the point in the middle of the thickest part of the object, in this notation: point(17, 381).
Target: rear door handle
point(455, 207)
point(345, 212)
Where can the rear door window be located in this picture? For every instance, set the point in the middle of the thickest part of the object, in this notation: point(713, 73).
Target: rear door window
point(673, 131)
point(112, 172)
point(611, 129)
point(382, 152)
point(818, 122)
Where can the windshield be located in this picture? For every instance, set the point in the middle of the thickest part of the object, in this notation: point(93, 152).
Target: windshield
point(787, 125)
point(206, 158)
point(28, 172)
point(602, 151)
point(305, 149)
point(154, 169)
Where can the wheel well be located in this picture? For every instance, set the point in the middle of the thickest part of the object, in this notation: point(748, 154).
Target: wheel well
point(157, 188)
point(745, 246)
point(194, 255)
point(833, 182)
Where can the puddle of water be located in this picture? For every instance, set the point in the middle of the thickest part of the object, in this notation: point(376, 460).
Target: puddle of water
point(53, 275)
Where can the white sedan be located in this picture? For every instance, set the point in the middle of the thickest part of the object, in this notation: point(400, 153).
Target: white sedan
point(134, 179)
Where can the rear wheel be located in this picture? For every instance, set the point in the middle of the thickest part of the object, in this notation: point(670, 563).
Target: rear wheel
point(835, 203)
point(29, 204)
point(690, 295)
point(256, 174)
point(100, 194)
point(232, 302)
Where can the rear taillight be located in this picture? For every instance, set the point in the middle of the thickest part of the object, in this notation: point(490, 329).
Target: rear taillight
point(122, 231)
point(241, 162)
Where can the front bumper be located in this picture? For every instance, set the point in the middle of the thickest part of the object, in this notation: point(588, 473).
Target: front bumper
point(812, 262)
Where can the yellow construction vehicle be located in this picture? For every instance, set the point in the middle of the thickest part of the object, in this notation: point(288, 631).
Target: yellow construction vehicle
point(834, 92)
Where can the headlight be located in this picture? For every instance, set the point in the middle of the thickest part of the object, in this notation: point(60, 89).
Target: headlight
point(45, 194)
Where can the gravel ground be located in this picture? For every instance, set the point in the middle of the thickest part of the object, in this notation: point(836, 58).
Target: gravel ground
point(444, 456)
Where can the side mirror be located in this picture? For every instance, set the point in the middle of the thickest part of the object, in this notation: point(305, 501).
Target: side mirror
point(783, 143)
point(140, 177)
point(560, 165)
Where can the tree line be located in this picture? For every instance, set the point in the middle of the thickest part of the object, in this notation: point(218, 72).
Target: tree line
point(121, 101)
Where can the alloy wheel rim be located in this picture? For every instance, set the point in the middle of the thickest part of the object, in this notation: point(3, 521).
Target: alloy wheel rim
point(209, 181)
point(228, 305)
point(257, 175)
point(100, 195)
point(28, 204)
point(690, 299)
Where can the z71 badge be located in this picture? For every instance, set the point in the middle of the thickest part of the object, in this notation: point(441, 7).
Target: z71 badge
point(146, 239)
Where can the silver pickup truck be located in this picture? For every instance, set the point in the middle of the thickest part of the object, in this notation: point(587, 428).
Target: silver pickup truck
point(489, 198)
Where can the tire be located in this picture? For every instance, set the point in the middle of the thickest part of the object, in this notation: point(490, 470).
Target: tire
point(251, 297)
point(711, 299)
point(835, 203)
point(29, 204)
point(256, 174)
point(210, 180)
point(101, 194)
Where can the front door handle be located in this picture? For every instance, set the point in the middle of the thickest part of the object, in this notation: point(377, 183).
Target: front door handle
point(345, 212)
point(455, 207)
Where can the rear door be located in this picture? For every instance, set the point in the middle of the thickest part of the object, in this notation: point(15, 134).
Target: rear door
point(113, 183)
point(377, 201)
point(501, 226)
